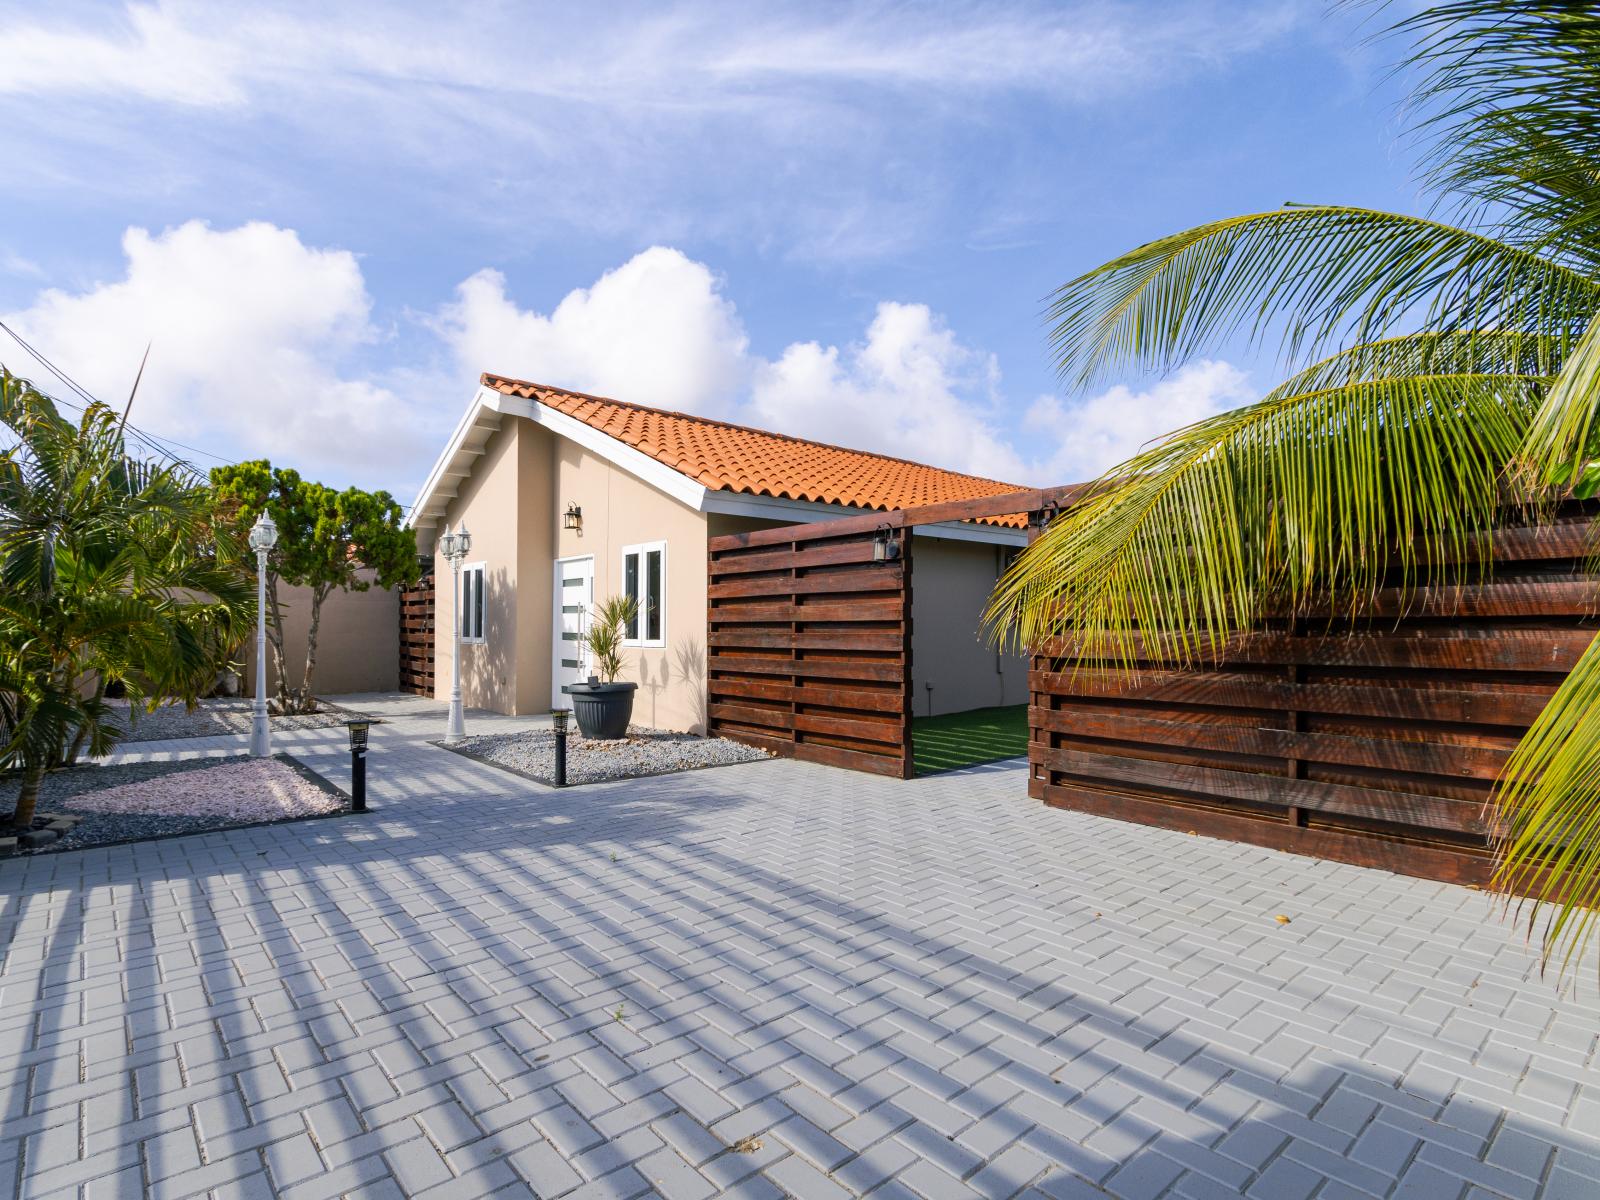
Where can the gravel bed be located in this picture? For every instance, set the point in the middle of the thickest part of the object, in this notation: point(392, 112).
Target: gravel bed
point(211, 718)
point(642, 752)
point(134, 801)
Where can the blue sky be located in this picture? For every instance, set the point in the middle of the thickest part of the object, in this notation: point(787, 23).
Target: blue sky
point(838, 220)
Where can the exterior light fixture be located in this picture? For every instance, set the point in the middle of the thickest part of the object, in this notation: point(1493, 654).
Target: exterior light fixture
point(263, 537)
point(455, 547)
point(885, 546)
point(1041, 517)
point(572, 518)
point(559, 719)
point(358, 764)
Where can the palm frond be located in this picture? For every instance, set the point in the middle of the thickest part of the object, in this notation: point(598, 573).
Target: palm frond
point(1548, 810)
point(1319, 492)
point(1562, 437)
point(1319, 275)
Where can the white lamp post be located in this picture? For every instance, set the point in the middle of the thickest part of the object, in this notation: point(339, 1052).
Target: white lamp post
point(454, 547)
point(263, 537)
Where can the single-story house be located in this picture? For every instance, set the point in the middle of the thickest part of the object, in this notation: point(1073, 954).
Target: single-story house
point(572, 498)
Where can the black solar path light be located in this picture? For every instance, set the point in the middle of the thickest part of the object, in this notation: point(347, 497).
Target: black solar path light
point(559, 716)
point(358, 764)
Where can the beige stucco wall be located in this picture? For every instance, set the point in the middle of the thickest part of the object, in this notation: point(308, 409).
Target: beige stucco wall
point(505, 504)
point(621, 510)
point(950, 585)
point(512, 503)
point(358, 641)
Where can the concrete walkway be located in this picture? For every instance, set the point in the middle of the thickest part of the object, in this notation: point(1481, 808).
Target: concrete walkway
point(763, 980)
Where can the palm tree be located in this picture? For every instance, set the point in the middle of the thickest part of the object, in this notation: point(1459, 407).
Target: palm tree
point(1445, 378)
point(111, 574)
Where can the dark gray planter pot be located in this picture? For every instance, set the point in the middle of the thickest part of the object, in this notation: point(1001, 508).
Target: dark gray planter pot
point(603, 710)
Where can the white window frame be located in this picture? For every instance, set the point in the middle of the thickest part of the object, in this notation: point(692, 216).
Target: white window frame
point(641, 550)
point(482, 636)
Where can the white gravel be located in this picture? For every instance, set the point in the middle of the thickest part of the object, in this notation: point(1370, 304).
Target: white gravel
point(642, 752)
point(258, 789)
point(134, 801)
point(211, 718)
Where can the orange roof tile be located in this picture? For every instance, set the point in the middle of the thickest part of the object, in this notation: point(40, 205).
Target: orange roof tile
point(736, 458)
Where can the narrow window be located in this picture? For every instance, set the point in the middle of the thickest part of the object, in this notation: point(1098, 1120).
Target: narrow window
point(652, 595)
point(630, 589)
point(473, 604)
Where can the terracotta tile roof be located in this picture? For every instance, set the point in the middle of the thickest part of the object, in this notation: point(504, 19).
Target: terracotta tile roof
point(736, 458)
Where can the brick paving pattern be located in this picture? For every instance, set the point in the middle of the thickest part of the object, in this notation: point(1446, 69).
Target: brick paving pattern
point(763, 981)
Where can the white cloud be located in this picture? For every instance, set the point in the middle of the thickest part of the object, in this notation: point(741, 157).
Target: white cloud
point(655, 327)
point(911, 389)
point(821, 133)
point(1096, 433)
point(658, 331)
point(264, 346)
point(250, 331)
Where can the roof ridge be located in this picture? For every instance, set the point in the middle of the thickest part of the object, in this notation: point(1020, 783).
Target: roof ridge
point(489, 379)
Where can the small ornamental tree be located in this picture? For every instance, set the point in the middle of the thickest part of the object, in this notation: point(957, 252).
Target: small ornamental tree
point(325, 538)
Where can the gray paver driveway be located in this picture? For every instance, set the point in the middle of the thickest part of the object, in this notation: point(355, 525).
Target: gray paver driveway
point(765, 980)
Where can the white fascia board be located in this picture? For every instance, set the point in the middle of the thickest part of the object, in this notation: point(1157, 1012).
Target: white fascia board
point(966, 531)
point(776, 508)
point(652, 471)
point(447, 465)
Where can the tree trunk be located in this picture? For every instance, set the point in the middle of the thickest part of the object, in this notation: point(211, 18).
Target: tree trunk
point(275, 640)
point(82, 735)
point(318, 594)
point(28, 797)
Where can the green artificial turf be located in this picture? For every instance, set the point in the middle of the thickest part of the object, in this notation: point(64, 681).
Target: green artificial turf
point(967, 738)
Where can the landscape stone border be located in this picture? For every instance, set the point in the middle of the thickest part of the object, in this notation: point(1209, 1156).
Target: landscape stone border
point(47, 828)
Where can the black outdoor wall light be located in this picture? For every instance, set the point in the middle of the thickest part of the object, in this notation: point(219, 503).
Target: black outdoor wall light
point(572, 518)
point(885, 546)
point(358, 764)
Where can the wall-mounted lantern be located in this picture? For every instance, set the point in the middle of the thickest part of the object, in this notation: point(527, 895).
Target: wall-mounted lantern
point(885, 546)
point(573, 518)
point(1040, 518)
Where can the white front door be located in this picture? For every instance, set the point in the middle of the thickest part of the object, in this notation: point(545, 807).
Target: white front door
point(574, 598)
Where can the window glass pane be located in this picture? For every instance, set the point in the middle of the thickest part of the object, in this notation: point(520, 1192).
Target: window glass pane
point(652, 591)
point(630, 587)
point(477, 603)
point(466, 604)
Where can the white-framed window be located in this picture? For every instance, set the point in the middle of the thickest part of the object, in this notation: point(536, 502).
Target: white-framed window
point(472, 603)
point(644, 577)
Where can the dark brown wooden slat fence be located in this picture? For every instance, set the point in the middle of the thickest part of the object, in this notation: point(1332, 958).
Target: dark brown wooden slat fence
point(809, 645)
point(416, 638)
point(1377, 745)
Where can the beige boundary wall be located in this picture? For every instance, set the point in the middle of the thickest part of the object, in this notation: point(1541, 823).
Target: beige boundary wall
point(358, 641)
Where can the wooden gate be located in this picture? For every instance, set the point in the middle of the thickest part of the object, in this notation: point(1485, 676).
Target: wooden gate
point(416, 638)
point(809, 644)
point(1377, 745)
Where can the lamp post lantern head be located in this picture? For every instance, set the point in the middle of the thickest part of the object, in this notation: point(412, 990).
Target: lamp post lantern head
point(559, 717)
point(358, 734)
point(463, 540)
point(263, 534)
point(447, 545)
